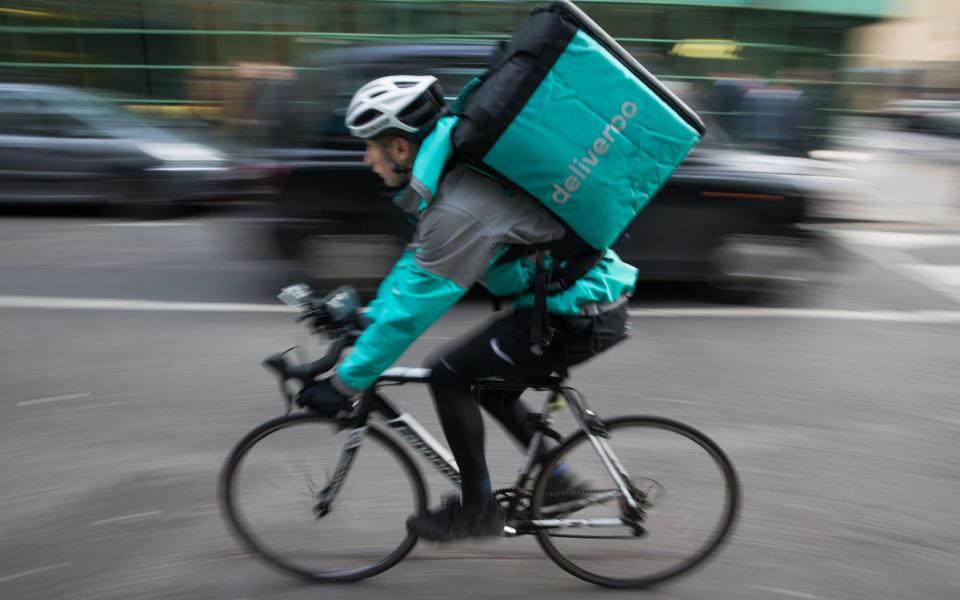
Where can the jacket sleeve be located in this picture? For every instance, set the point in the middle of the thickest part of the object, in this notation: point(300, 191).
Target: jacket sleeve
point(396, 274)
point(454, 250)
point(405, 311)
point(510, 278)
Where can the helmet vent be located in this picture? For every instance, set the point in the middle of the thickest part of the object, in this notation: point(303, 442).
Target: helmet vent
point(366, 117)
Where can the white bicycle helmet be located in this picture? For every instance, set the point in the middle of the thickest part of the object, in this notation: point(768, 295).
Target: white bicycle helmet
point(404, 105)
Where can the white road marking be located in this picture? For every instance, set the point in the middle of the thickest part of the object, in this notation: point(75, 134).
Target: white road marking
point(942, 278)
point(671, 400)
point(897, 239)
point(889, 256)
point(63, 398)
point(791, 593)
point(103, 405)
point(945, 274)
point(35, 571)
point(124, 518)
point(897, 316)
point(54, 303)
point(147, 224)
point(841, 155)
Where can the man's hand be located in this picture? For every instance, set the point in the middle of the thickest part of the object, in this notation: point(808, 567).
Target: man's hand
point(323, 399)
point(364, 321)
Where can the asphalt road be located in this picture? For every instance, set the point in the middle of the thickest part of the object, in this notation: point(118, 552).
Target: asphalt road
point(131, 366)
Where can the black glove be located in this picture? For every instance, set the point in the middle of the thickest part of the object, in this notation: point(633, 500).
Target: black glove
point(363, 321)
point(323, 399)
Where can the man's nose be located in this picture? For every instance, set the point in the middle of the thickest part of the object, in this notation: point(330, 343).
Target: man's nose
point(367, 159)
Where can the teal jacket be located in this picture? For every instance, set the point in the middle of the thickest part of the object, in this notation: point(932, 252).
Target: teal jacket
point(466, 221)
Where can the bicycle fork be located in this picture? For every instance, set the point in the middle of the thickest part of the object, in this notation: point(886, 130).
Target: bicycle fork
point(330, 491)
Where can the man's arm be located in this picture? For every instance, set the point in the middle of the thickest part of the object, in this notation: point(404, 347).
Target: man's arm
point(454, 251)
point(397, 274)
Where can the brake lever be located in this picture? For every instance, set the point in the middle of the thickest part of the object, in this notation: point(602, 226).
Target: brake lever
point(287, 397)
point(312, 310)
point(277, 362)
point(307, 314)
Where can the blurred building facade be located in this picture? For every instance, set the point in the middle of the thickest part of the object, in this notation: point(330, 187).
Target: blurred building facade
point(215, 58)
point(916, 55)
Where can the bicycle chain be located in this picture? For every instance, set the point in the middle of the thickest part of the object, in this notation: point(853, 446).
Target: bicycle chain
point(525, 496)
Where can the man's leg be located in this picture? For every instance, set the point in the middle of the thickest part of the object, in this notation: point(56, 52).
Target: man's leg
point(462, 425)
point(481, 355)
point(502, 349)
point(505, 406)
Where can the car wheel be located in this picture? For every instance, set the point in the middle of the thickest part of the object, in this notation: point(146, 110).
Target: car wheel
point(751, 267)
point(136, 201)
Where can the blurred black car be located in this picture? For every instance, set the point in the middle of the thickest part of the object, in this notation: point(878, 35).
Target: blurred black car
point(62, 145)
point(732, 218)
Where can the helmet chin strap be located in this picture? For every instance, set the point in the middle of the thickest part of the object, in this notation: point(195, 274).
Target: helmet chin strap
point(398, 169)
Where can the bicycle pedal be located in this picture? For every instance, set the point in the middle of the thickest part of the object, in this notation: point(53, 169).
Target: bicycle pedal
point(518, 527)
point(638, 529)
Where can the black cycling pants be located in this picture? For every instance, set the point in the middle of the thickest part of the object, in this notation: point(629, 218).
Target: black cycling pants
point(502, 349)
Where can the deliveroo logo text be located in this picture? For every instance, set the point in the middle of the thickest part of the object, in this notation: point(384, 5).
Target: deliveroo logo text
point(580, 167)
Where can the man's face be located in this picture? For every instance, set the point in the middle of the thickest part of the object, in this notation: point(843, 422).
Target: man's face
point(400, 151)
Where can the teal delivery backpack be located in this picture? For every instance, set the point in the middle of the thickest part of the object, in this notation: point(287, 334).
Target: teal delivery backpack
point(567, 115)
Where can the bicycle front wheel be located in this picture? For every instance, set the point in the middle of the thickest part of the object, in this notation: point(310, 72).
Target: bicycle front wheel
point(682, 481)
point(287, 496)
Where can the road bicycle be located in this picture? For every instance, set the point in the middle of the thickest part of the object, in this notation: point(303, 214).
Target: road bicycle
point(326, 498)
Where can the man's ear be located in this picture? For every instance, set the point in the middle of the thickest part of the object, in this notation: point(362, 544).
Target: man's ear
point(403, 148)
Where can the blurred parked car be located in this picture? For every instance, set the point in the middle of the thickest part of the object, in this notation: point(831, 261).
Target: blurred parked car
point(63, 145)
point(945, 122)
point(933, 116)
point(732, 218)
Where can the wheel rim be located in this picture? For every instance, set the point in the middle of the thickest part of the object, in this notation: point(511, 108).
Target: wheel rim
point(269, 495)
point(695, 504)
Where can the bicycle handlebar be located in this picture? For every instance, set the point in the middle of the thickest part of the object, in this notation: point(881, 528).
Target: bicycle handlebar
point(307, 372)
point(337, 314)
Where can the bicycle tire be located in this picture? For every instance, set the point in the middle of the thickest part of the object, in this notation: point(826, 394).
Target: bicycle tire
point(252, 540)
point(726, 518)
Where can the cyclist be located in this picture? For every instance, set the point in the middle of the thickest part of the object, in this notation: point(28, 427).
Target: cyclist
point(463, 232)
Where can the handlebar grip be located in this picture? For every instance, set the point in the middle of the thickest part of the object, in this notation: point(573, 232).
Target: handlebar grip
point(277, 362)
point(308, 372)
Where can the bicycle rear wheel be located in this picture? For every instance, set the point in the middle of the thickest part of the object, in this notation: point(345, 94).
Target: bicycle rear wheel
point(274, 484)
point(686, 486)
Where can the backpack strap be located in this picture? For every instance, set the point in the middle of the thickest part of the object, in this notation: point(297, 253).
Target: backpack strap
point(541, 334)
point(572, 269)
point(573, 258)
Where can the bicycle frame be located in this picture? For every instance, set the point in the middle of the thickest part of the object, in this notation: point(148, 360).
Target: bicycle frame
point(554, 501)
point(436, 454)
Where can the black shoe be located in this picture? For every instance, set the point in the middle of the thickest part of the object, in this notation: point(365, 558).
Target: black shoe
point(453, 521)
